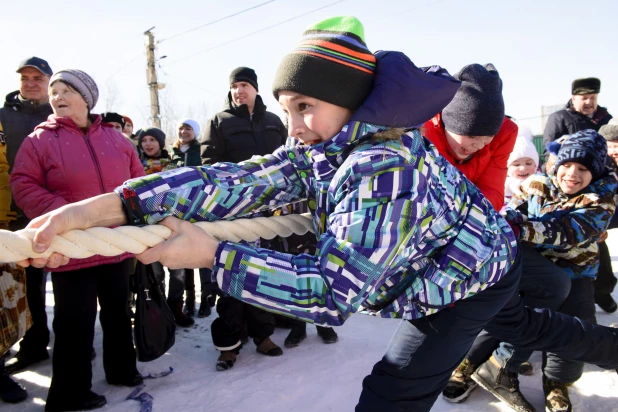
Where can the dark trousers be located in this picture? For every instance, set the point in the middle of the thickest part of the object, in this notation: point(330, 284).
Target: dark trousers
point(176, 282)
point(606, 281)
point(423, 352)
point(36, 338)
point(542, 285)
point(580, 303)
point(234, 317)
point(76, 293)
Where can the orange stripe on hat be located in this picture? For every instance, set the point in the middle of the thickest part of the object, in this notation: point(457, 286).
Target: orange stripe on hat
point(342, 49)
point(321, 56)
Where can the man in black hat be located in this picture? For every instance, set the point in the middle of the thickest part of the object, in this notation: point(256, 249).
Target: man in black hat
point(23, 110)
point(580, 113)
point(243, 129)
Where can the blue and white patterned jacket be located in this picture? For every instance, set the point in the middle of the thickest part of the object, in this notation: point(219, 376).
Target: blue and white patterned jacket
point(400, 230)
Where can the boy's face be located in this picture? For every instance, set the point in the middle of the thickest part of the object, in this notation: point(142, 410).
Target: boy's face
point(312, 121)
point(522, 168)
point(151, 146)
point(612, 151)
point(573, 177)
point(466, 146)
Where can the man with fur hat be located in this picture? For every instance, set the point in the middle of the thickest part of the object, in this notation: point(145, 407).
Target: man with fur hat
point(242, 130)
point(580, 113)
point(23, 110)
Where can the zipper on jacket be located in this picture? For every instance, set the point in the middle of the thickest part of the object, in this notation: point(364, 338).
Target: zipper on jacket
point(96, 163)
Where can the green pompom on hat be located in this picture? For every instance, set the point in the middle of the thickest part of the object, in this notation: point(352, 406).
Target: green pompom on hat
point(330, 63)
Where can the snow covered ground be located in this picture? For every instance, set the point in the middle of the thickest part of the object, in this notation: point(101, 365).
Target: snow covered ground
point(312, 377)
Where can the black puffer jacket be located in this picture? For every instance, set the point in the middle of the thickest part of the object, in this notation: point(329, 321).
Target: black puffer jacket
point(18, 118)
point(568, 121)
point(234, 135)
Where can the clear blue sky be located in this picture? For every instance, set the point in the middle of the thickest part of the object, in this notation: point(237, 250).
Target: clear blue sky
point(538, 47)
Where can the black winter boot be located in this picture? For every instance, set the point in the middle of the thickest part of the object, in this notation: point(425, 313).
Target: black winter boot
point(606, 302)
point(503, 384)
point(327, 334)
point(205, 309)
point(11, 391)
point(296, 335)
point(86, 403)
point(181, 319)
point(23, 360)
point(190, 303)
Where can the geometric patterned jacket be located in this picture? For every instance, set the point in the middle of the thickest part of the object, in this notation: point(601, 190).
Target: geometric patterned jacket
point(565, 229)
point(400, 231)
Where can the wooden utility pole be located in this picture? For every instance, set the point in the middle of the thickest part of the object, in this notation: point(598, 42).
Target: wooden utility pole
point(151, 78)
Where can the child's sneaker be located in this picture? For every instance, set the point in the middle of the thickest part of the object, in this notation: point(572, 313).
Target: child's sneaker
point(556, 396)
point(460, 385)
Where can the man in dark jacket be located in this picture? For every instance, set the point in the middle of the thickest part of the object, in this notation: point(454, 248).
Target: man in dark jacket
point(23, 110)
point(242, 130)
point(580, 113)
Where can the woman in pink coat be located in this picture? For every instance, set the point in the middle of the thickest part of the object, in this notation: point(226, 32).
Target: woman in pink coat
point(69, 158)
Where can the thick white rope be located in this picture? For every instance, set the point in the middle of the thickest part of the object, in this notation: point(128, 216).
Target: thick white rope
point(80, 244)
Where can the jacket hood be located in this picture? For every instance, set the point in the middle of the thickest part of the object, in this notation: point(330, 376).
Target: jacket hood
point(404, 95)
point(13, 102)
point(259, 108)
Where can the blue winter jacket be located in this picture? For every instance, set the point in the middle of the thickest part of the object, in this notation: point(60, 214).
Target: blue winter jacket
point(400, 231)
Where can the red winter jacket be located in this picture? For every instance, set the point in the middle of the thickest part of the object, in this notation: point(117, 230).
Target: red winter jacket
point(487, 167)
point(57, 165)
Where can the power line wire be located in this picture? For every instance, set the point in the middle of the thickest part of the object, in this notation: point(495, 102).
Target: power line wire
point(126, 65)
point(216, 21)
point(192, 84)
point(255, 32)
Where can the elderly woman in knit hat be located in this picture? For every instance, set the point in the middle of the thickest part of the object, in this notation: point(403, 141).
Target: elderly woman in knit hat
point(71, 157)
point(472, 132)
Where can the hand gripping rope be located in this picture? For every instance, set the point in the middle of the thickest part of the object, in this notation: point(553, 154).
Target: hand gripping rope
point(80, 244)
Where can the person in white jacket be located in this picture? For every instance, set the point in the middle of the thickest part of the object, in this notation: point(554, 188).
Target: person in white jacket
point(523, 162)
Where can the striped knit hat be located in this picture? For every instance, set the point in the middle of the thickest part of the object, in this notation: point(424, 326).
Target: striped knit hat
point(331, 63)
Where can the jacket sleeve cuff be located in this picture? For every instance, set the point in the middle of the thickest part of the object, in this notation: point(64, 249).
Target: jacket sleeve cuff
point(130, 206)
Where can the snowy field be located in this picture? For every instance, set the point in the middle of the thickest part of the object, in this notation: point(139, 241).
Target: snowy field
point(312, 377)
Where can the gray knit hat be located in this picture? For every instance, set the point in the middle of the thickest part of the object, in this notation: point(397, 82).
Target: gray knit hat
point(80, 81)
point(478, 108)
point(610, 131)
